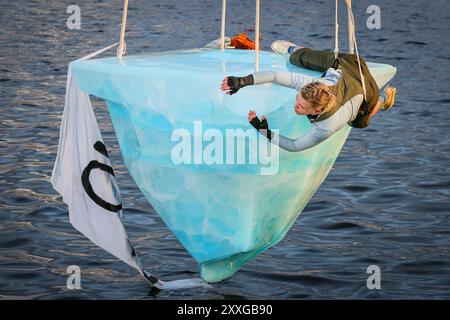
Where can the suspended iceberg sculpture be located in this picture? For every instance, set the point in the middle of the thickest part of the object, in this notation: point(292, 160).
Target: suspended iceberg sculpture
point(223, 214)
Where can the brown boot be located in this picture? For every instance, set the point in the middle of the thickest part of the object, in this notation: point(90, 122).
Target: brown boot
point(390, 92)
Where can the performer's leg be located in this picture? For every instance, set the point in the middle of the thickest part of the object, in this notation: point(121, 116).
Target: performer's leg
point(312, 59)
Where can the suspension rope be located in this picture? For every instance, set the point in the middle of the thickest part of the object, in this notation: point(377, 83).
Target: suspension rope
point(222, 28)
point(352, 20)
point(351, 30)
point(257, 37)
point(122, 45)
point(336, 33)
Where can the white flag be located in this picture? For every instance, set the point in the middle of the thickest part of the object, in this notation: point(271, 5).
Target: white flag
point(84, 177)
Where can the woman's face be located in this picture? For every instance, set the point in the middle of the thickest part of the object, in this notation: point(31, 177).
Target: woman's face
point(304, 107)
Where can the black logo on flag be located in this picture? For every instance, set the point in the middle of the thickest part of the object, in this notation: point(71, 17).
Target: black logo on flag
point(94, 164)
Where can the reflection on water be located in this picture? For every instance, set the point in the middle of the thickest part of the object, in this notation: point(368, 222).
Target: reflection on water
point(386, 201)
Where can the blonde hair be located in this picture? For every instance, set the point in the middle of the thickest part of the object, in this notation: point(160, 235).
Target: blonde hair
point(320, 96)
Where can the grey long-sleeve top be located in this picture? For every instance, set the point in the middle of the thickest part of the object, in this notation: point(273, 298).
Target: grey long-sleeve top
point(321, 130)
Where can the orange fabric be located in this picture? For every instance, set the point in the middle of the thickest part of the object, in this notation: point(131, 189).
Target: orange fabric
point(242, 41)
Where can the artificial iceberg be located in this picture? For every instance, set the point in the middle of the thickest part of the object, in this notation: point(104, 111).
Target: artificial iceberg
point(223, 213)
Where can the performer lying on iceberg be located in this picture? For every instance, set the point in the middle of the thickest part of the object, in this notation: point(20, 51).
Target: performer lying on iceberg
point(330, 102)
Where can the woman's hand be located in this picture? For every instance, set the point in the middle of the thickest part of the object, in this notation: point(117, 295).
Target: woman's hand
point(261, 125)
point(255, 122)
point(225, 87)
point(231, 85)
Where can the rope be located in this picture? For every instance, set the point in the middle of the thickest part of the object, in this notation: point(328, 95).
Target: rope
point(351, 30)
point(96, 53)
point(122, 45)
point(257, 37)
point(222, 29)
point(352, 20)
point(336, 35)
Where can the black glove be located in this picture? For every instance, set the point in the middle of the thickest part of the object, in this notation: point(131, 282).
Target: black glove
point(262, 125)
point(236, 83)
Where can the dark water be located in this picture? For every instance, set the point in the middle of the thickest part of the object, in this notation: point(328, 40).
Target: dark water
point(386, 202)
